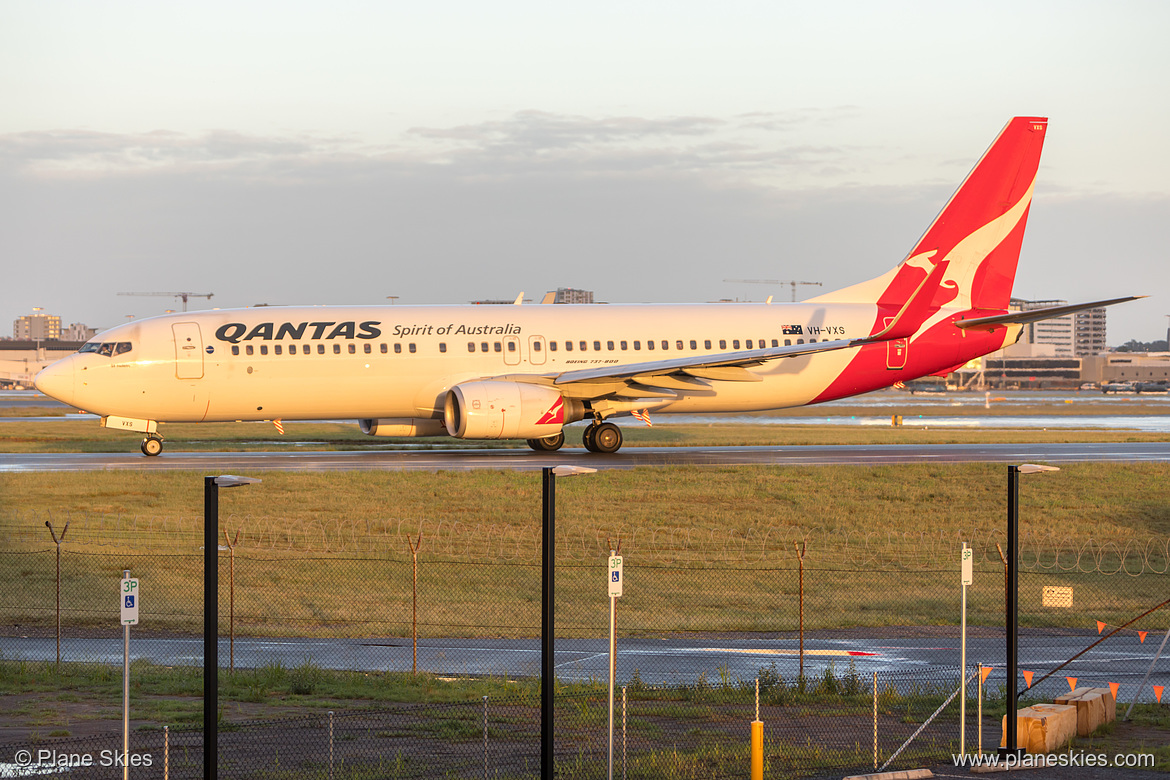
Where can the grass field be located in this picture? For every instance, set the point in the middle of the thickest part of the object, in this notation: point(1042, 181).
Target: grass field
point(878, 538)
point(692, 731)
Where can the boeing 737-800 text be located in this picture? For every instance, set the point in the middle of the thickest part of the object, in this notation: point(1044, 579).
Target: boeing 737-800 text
point(525, 372)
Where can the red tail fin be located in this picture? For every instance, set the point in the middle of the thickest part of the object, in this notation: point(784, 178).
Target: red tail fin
point(978, 232)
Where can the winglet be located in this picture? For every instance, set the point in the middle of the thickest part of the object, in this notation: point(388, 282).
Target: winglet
point(915, 310)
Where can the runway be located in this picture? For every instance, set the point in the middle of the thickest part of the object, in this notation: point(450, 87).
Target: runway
point(628, 458)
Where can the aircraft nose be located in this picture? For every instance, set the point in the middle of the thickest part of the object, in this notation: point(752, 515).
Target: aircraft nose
point(56, 381)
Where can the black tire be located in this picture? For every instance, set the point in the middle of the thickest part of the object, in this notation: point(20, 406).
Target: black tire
point(587, 438)
point(151, 446)
point(548, 443)
point(607, 438)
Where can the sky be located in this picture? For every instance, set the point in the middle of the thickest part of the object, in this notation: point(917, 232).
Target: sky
point(435, 153)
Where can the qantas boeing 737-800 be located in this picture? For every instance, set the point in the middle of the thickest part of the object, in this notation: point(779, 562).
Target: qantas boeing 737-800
point(524, 372)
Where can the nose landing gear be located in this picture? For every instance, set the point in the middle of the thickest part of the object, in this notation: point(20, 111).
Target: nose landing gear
point(152, 445)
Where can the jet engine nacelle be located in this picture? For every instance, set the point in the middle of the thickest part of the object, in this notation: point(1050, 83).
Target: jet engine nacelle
point(402, 426)
point(495, 409)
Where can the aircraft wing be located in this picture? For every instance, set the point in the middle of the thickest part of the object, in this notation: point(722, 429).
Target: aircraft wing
point(732, 366)
point(1035, 315)
point(633, 386)
point(725, 365)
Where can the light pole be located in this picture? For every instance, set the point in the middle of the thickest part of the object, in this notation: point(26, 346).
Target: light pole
point(211, 486)
point(548, 606)
point(1012, 602)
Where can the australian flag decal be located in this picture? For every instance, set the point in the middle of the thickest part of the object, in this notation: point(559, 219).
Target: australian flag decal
point(792, 330)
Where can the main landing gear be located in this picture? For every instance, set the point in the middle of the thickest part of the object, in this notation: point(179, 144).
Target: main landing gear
point(548, 443)
point(602, 437)
point(152, 445)
point(597, 437)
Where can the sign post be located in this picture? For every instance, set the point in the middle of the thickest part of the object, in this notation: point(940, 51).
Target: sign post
point(128, 598)
point(614, 582)
point(967, 577)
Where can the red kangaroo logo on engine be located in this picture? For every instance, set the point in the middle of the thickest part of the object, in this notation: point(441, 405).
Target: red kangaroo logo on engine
point(555, 415)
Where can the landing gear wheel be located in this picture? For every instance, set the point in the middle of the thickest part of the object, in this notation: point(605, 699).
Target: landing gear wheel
point(607, 438)
point(604, 438)
point(151, 445)
point(548, 443)
point(587, 438)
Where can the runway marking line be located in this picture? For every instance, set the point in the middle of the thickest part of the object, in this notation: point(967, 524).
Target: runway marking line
point(778, 651)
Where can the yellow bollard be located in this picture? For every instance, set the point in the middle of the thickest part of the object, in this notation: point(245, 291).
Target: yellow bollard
point(757, 750)
point(757, 740)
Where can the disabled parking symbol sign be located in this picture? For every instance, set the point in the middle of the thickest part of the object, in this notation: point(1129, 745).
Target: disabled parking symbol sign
point(128, 590)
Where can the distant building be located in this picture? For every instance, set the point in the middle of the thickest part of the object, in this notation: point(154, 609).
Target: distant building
point(568, 295)
point(1128, 367)
point(78, 331)
point(1074, 335)
point(37, 327)
point(1089, 332)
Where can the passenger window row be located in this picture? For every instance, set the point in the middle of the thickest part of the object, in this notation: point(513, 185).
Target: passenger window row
point(485, 346)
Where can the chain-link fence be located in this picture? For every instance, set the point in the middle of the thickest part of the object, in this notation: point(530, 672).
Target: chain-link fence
point(368, 613)
point(695, 630)
point(702, 731)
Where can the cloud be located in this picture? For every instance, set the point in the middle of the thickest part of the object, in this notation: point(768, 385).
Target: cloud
point(533, 130)
point(63, 151)
point(527, 143)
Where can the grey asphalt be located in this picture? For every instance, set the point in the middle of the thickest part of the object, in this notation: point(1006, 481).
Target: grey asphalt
point(627, 458)
point(905, 660)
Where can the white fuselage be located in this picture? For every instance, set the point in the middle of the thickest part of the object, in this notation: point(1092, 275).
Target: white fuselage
point(304, 363)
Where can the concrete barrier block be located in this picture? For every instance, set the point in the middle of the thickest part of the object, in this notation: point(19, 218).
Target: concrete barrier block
point(1043, 728)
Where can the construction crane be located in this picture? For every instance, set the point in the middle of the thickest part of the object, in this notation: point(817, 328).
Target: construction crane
point(181, 295)
point(773, 281)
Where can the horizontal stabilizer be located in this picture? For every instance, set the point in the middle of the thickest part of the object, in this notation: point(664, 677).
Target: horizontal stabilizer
point(915, 310)
point(1035, 315)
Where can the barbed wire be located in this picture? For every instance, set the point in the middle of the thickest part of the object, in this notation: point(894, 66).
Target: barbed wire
point(760, 544)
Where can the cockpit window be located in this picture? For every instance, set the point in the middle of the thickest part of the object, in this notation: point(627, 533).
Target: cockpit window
point(107, 348)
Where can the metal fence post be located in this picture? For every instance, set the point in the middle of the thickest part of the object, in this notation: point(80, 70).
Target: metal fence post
point(485, 739)
point(126, 689)
point(979, 712)
point(231, 545)
point(330, 744)
point(1141, 687)
point(875, 752)
point(166, 752)
point(57, 541)
point(414, 602)
point(800, 549)
point(623, 732)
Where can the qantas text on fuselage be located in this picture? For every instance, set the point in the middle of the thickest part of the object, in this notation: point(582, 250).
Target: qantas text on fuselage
point(525, 372)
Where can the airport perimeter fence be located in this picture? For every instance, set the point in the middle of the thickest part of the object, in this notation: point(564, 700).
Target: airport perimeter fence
point(694, 633)
point(482, 618)
point(677, 622)
point(828, 727)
